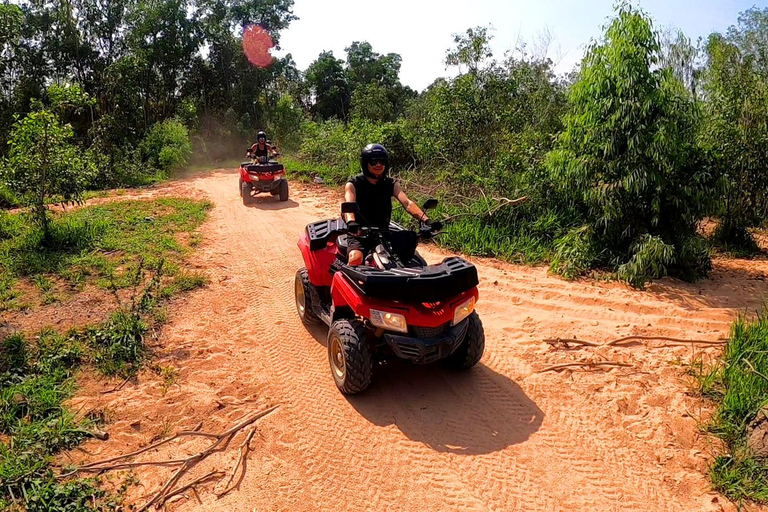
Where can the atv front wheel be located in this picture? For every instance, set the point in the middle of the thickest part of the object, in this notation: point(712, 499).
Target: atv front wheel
point(304, 298)
point(245, 192)
point(283, 188)
point(470, 351)
point(240, 186)
point(349, 356)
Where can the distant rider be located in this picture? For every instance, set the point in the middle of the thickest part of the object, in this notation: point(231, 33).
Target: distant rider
point(373, 191)
point(260, 151)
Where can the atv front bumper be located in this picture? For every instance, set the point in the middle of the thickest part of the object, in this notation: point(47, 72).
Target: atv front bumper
point(266, 186)
point(427, 350)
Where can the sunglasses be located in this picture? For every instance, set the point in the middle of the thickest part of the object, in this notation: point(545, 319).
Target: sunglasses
point(376, 162)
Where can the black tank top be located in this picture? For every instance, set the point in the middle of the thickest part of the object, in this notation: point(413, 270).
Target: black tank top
point(259, 152)
point(375, 201)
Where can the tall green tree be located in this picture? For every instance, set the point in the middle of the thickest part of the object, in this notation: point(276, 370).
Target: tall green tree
point(328, 82)
point(735, 134)
point(627, 157)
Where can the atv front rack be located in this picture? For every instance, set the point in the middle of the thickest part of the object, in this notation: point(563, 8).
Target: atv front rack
point(259, 168)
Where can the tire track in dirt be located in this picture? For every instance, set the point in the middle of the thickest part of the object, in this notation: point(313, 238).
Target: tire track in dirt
point(499, 437)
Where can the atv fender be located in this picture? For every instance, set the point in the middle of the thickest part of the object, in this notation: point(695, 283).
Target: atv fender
point(318, 263)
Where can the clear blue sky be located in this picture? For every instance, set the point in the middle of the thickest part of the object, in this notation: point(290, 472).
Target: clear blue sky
point(421, 30)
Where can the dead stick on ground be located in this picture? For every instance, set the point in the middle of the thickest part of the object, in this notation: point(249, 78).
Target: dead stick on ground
point(222, 439)
point(118, 388)
point(619, 341)
point(663, 338)
point(566, 341)
point(242, 454)
point(193, 483)
point(583, 365)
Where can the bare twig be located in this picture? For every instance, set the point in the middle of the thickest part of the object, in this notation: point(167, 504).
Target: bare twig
point(118, 388)
point(242, 454)
point(221, 441)
point(663, 338)
point(619, 341)
point(583, 364)
point(567, 341)
point(180, 490)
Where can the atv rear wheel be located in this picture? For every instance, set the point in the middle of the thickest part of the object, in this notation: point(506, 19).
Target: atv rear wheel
point(283, 188)
point(245, 192)
point(304, 298)
point(349, 356)
point(470, 351)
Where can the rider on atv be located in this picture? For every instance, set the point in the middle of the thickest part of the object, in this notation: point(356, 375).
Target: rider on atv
point(373, 191)
point(260, 151)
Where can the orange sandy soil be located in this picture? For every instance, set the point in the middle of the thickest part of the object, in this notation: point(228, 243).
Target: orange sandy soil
point(499, 437)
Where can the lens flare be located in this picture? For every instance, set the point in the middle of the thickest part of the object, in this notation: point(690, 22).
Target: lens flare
point(256, 45)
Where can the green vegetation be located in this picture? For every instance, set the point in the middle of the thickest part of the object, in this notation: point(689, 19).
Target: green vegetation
point(618, 162)
point(129, 244)
point(738, 383)
point(105, 245)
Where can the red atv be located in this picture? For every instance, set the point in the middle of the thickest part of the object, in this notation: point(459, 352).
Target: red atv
point(414, 311)
point(262, 176)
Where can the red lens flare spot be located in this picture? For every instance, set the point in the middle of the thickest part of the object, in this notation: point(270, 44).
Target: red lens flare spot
point(256, 45)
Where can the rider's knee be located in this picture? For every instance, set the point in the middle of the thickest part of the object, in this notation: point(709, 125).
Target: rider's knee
point(355, 258)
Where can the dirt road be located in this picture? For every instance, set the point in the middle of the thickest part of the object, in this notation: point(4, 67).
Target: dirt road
point(500, 437)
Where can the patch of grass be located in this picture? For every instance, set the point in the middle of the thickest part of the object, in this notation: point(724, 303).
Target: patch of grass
point(34, 382)
point(304, 171)
point(738, 383)
point(102, 243)
point(9, 295)
point(183, 282)
point(169, 374)
point(195, 239)
point(119, 344)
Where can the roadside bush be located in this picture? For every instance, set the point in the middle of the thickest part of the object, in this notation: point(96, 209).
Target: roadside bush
point(166, 146)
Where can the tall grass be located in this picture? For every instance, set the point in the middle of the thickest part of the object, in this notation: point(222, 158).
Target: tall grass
point(738, 383)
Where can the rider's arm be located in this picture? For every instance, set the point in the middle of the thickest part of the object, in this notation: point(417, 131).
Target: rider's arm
point(409, 205)
point(350, 196)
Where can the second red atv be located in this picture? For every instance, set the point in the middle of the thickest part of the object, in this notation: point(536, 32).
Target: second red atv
point(264, 176)
point(385, 307)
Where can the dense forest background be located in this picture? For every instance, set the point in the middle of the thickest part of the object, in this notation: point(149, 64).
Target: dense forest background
point(642, 161)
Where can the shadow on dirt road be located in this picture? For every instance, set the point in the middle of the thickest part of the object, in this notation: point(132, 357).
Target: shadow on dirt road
point(271, 203)
point(469, 413)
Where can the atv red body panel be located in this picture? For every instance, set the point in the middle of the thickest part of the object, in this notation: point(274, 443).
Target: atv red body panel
point(436, 314)
point(250, 177)
point(345, 294)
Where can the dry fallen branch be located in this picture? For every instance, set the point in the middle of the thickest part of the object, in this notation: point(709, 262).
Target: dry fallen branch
point(567, 341)
point(663, 338)
point(222, 440)
point(242, 455)
point(584, 364)
point(117, 388)
point(212, 474)
point(619, 341)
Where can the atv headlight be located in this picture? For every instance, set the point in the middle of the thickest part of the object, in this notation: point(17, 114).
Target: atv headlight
point(388, 321)
point(254, 177)
point(464, 310)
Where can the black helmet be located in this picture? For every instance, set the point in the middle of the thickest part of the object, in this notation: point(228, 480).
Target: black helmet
point(262, 135)
point(373, 152)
